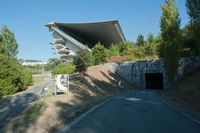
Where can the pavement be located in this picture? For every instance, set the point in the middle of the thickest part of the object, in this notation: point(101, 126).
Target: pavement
point(140, 111)
point(13, 106)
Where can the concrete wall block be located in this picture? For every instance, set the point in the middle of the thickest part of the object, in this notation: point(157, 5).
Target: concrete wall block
point(134, 72)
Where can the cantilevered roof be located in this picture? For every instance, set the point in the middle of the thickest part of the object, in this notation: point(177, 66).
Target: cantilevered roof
point(90, 33)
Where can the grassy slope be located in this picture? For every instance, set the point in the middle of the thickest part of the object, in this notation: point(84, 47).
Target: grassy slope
point(188, 92)
point(38, 80)
point(86, 91)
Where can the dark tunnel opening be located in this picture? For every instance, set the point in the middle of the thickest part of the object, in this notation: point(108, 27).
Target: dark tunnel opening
point(154, 81)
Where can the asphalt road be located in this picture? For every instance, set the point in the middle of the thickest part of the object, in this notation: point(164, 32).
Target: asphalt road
point(13, 106)
point(135, 112)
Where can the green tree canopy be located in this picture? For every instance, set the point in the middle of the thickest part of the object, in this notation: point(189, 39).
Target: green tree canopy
point(140, 40)
point(150, 38)
point(170, 33)
point(52, 63)
point(99, 53)
point(13, 76)
point(64, 69)
point(8, 42)
point(82, 60)
point(193, 7)
point(170, 21)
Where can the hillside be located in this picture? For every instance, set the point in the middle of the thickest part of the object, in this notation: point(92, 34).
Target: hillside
point(186, 97)
point(85, 92)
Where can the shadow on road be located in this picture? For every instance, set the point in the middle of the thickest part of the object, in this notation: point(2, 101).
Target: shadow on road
point(13, 106)
point(99, 88)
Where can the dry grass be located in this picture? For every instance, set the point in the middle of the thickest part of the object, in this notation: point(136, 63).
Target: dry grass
point(53, 112)
point(188, 92)
point(38, 80)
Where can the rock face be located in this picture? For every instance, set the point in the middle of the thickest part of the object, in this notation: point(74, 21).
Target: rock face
point(135, 72)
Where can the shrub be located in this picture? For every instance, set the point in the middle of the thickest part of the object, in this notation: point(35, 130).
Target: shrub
point(114, 50)
point(125, 47)
point(27, 76)
point(150, 49)
point(82, 60)
point(13, 77)
point(99, 54)
point(64, 69)
point(52, 63)
point(37, 69)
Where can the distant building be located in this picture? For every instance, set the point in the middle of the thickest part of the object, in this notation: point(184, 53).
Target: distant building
point(27, 63)
point(71, 37)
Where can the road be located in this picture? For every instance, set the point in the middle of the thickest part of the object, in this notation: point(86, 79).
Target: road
point(13, 106)
point(140, 111)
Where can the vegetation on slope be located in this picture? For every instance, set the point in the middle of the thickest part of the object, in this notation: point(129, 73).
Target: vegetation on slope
point(188, 91)
point(13, 76)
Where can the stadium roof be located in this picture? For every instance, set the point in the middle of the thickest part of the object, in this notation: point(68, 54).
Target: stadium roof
point(90, 33)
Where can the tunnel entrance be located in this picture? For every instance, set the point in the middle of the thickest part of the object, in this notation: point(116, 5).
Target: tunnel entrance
point(154, 80)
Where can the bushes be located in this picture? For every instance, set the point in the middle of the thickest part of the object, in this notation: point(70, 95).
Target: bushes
point(125, 47)
point(52, 63)
point(37, 69)
point(27, 76)
point(64, 69)
point(134, 52)
point(114, 50)
point(99, 54)
point(13, 77)
point(82, 60)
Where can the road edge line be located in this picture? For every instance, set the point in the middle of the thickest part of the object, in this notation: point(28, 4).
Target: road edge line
point(68, 127)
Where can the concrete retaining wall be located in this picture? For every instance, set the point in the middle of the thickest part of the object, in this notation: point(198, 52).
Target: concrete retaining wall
point(134, 72)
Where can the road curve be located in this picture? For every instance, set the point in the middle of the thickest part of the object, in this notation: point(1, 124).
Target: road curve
point(140, 111)
point(13, 106)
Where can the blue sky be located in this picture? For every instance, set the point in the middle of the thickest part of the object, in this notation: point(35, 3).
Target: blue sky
point(26, 18)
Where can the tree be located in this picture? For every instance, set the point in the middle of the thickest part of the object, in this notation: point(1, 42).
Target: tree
point(64, 69)
point(82, 60)
point(8, 42)
point(193, 8)
point(140, 40)
point(114, 50)
point(125, 47)
point(170, 33)
point(52, 63)
point(150, 38)
point(13, 76)
point(189, 46)
point(99, 54)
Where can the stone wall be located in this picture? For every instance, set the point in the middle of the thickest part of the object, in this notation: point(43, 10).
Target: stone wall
point(134, 72)
point(187, 64)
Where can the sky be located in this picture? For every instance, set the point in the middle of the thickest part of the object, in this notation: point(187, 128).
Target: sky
point(27, 19)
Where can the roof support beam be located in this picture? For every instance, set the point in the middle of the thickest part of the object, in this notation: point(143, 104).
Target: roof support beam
point(77, 43)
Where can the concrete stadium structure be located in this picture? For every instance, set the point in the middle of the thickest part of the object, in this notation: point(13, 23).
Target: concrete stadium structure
point(71, 37)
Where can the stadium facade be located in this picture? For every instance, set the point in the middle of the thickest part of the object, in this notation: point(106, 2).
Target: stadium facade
point(71, 37)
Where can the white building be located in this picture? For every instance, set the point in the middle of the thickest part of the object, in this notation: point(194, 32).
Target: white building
point(29, 63)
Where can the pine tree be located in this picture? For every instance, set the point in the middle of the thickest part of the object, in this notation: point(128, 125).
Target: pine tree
point(99, 53)
point(150, 38)
point(140, 40)
point(193, 7)
point(170, 33)
point(8, 42)
point(193, 10)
